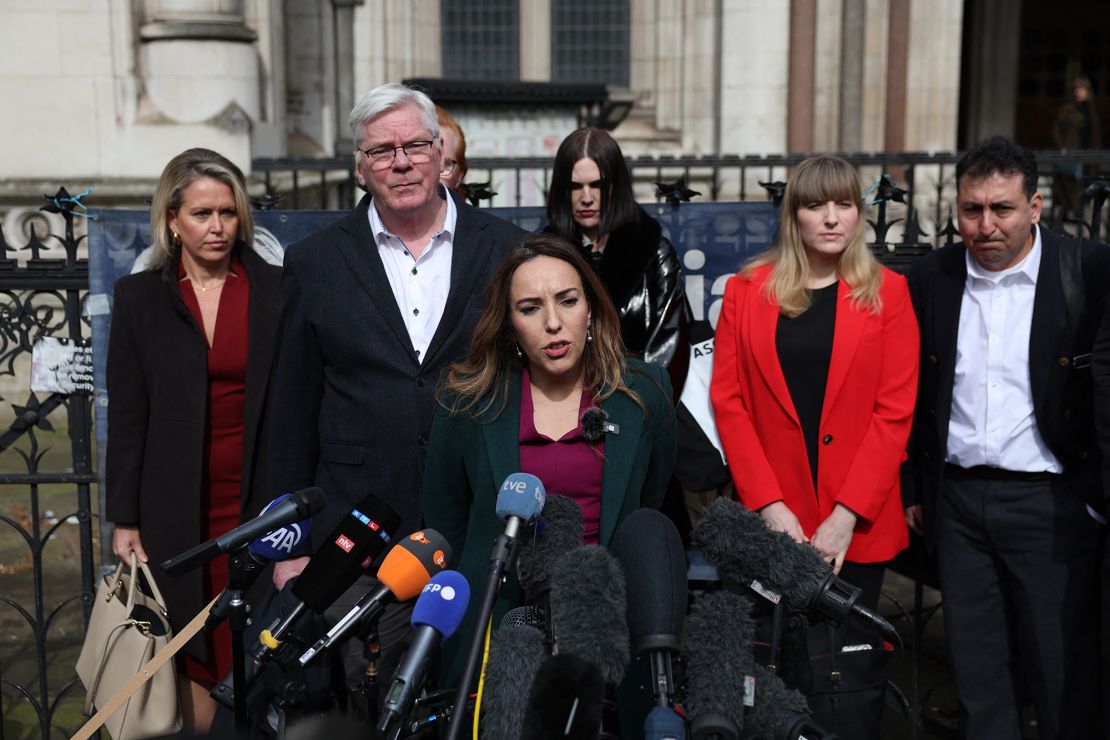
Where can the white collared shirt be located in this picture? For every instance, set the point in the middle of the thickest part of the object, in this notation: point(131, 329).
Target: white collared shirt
point(992, 421)
point(420, 286)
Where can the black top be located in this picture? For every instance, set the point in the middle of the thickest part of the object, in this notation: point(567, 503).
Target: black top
point(804, 344)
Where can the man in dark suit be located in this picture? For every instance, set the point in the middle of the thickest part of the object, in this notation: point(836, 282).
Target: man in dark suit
point(1004, 455)
point(374, 308)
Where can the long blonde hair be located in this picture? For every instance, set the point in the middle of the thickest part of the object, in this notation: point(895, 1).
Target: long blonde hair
point(479, 384)
point(818, 180)
point(181, 172)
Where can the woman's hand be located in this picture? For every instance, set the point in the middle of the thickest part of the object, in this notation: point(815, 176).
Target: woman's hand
point(834, 535)
point(125, 540)
point(780, 518)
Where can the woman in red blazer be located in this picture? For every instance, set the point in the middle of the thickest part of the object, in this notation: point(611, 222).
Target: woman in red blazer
point(814, 379)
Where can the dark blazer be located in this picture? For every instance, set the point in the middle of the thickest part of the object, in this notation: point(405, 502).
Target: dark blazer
point(469, 459)
point(352, 406)
point(1060, 335)
point(865, 422)
point(158, 393)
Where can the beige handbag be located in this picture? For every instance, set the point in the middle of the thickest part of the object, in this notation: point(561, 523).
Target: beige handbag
point(128, 626)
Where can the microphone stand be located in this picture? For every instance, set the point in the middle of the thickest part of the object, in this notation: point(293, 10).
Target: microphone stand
point(368, 686)
point(242, 570)
point(504, 550)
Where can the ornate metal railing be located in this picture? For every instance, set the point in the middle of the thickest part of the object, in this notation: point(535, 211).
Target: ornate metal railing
point(41, 296)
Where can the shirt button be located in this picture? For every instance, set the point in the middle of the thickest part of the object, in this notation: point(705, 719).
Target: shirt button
point(422, 440)
point(827, 439)
point(416, 312)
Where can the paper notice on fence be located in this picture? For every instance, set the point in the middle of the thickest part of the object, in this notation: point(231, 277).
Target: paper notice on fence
point(61, 366)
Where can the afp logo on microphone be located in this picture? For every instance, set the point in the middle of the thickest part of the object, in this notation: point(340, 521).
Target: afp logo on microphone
point(446, 593)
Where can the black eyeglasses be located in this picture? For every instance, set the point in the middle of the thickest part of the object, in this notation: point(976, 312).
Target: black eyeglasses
point(418, 152)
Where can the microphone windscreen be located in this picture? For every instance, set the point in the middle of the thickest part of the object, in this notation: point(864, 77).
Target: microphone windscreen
point(359, 536)
point(527, 616)
point(442, 603)
point(281, 543)
point(587, 605)
point(521, 495)
point(776, 707)
point(650, 549)
point(515, 655)
point(412, 561)
point(593, 423)
point(566, 700)
point(745, 549)
point(719, 636)
point(558, 530)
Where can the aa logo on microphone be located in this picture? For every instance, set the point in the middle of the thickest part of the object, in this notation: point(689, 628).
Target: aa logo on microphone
point(447, 593)
point(284, 539)
point(346, 544)
point(420, 537)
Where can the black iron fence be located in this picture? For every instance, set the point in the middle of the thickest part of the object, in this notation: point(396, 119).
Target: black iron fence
point(47, 560)
point(926, 181)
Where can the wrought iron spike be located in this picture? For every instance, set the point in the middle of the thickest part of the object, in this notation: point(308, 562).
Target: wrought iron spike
point(676, 192)
point(776, 190)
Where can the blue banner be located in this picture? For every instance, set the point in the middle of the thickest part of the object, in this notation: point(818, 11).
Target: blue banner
point(712, 239)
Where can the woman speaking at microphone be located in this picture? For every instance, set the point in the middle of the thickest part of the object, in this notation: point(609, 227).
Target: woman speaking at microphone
point(546, 349)
point(188, 363)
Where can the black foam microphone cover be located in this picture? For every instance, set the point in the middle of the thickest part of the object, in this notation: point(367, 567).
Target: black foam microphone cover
point(558, 530)
point(566, 700)
point(515, 656)
point(650, 549)
point(719, 636)
point(588, 609)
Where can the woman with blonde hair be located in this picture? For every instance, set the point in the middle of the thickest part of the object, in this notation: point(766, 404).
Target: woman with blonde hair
point(189, 357)
point(814, 381)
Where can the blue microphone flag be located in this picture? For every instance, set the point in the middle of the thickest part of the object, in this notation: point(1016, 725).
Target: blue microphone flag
point(522, 495)
point(281, 543)
point(442, 603)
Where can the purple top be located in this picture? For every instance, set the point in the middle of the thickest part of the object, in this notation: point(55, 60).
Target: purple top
point(569, 466)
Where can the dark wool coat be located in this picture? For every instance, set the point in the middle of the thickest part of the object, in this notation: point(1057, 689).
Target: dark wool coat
point(158, 395)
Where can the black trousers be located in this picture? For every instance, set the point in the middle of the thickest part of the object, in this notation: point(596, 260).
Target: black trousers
point(1018, 562)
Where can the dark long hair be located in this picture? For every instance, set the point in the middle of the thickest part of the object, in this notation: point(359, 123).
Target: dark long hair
point(479, 383)
point(618, 204)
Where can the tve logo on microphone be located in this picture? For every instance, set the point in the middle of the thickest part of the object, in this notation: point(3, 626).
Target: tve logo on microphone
point(519, 485)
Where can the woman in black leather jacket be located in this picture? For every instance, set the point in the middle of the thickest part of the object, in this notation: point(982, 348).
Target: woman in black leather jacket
point(590, 203)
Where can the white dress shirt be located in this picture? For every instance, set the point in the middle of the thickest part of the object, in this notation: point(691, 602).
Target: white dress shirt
point(420, 286)
point(992, 421)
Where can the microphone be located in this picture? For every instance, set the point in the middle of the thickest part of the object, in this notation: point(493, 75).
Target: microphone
point(246, 563)
point(566, 701)
point(780, 713)
point(745, 549)
point(588, 608)
point(299, 505)
point(516, 653)
point(596, 424)
point(558, 530)
point(519, 502)
point(719, 664)
point(355, 542)
point(436, 616)
point(657, 594)
point(405, 571)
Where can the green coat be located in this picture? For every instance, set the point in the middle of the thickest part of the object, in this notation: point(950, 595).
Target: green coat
point(469, 458)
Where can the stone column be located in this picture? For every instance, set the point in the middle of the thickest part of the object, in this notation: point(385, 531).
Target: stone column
point(852, 39)
point(199, 63)
point(344, 13)
point(800, 96)
point(535, 40)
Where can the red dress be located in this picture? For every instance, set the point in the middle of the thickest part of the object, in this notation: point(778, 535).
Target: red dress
point(223, 460)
